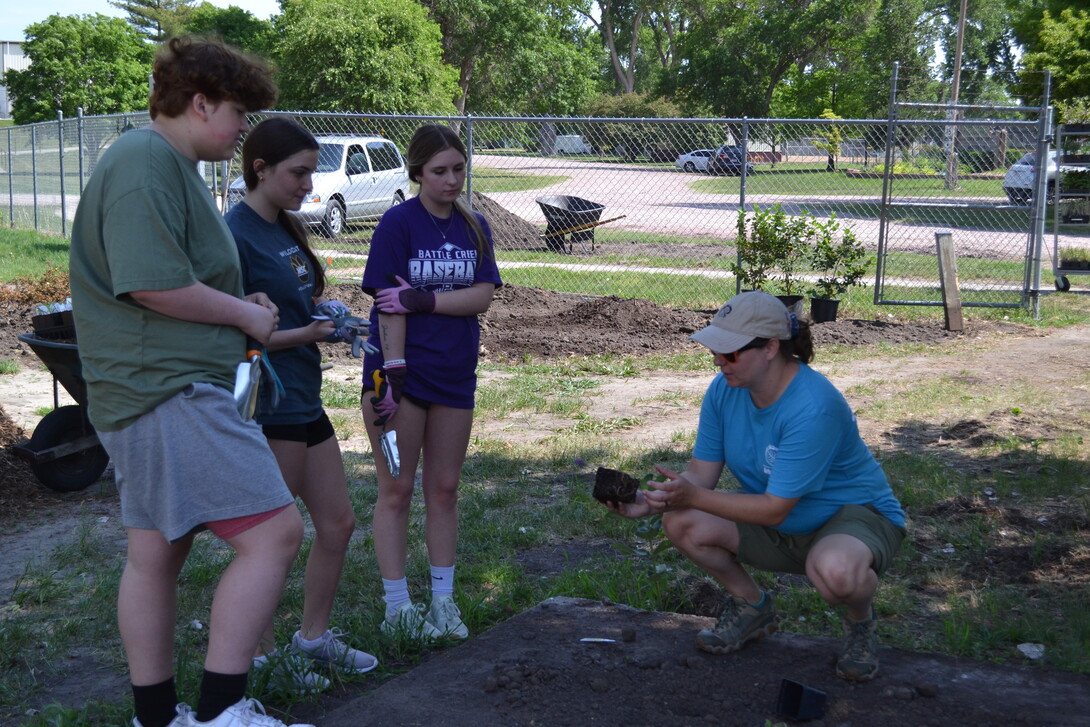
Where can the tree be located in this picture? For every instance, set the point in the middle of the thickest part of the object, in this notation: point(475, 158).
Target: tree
point(233, 26)
point(734, 54)
point(618, 23)
point(158, 20)
point(93, 62)
point(377, 56)
point(1062, 45)
point(632, 140)
point(514, 55)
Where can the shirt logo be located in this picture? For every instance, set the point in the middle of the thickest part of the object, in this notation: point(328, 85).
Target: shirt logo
point(770, 458)
point(301, 266)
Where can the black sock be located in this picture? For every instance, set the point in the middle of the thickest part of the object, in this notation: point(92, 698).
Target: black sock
point(218, 692)
point(155, 703)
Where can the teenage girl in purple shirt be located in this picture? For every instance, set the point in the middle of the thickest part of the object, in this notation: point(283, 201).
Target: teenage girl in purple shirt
point(432, 270)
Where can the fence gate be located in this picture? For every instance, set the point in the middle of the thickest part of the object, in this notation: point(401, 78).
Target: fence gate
point(997, 230)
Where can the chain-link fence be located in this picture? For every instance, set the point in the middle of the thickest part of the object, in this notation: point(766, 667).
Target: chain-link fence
point(642, 208)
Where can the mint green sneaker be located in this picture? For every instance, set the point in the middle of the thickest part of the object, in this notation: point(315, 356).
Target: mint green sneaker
point(858, 658)
point(739, 624)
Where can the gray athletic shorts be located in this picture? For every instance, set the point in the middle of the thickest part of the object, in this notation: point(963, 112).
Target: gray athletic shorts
point(769, 549)
point(192, 460)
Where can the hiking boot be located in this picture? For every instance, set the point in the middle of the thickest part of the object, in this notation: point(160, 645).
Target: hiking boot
point(183, 718)
point(331, 650)
point(244, 713)
point(446, 618)
point(287, 672)
point(739, 624)
point(858, 658)
point(408, 622)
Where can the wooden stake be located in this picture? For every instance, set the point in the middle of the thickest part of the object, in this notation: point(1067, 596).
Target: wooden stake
point(948, 277)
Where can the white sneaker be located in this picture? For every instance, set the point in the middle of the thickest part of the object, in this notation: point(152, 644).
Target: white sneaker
point(283, 670)
point(409, 622)
point(246, 713)
point(183, 719)
point(331, 650)
point(446, 618)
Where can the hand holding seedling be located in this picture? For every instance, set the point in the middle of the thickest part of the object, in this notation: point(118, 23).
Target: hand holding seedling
point(673, 494)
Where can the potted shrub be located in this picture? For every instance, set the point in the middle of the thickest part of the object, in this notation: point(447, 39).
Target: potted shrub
point(1075, 211)
point(840, 260)
point(1075, 258)
point(771, 249)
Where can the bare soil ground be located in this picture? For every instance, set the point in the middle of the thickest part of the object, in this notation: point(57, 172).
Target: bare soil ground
point(533, 669)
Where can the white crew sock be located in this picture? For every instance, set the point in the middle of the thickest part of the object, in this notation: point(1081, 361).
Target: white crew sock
point(396, 594)
point(442, 581)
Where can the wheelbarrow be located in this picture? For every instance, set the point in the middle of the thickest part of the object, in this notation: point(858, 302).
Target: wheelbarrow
point(64, 452)
point(564, 215)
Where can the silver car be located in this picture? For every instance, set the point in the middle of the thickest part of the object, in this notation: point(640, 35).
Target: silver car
point(357, 179)
point(695, 161)
point(1018, 181)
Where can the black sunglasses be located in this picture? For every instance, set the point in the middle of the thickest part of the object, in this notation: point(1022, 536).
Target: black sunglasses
point(732, 357)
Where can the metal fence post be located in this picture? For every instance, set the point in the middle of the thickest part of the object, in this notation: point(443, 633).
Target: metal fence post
point(11, 185)
point(34, 172)
point(469, 161)
point(883, 215)
point(79, 147)
point(60, 167)
point(1037, 237)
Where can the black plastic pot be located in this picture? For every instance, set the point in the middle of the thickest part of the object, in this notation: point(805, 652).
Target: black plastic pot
point(800, 702)
point(823, 310)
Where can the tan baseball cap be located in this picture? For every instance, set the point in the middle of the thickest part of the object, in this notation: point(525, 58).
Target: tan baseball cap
point(754, 314)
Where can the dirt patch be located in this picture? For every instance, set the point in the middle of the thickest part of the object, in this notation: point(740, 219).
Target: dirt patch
point(537, 668)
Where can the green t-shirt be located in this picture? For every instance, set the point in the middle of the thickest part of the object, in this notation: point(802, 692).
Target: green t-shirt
point(146, 221)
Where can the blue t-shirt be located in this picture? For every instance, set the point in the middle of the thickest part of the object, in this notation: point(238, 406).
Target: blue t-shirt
point(805, 445)
point(274, 264)
point(440, 350)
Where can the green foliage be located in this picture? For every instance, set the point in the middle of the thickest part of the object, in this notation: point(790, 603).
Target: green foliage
point(92, 62)
point(739, 52)
point(830, 138)
point(232, 25)
point(369, 56)
point(632, 139)
point(1060, 42)
point(838, 256)
point(515, 56)
point(771, 247)
point(157, 20)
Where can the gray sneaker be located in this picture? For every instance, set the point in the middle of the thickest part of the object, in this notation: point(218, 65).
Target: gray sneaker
point(858, 658)
point(408, 622)
point(333, 651)
point(446, 618)
point(739, 624)
point(286, 671)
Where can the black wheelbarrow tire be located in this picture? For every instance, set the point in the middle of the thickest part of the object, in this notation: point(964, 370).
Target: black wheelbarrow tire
point(73, 472)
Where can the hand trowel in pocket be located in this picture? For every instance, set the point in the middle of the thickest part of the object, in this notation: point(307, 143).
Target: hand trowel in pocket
point(250, 375)
point(387, 440)
point(247, 384)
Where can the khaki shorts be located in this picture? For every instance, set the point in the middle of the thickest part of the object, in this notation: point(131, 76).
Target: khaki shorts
point(770, 550)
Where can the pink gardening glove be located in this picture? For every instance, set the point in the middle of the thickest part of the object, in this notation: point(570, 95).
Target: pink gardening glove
point(404, 299)
point(388, 394)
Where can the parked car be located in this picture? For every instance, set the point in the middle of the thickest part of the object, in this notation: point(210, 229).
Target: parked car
point(695, 161)
point(572, 144)
point(1018, 181)
point(357, 179)
point(727, 160)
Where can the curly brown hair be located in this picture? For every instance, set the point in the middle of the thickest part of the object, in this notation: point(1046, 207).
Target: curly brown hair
point(188, 65)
